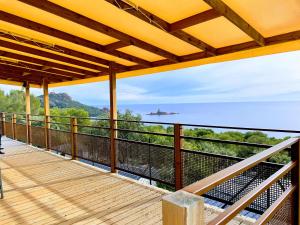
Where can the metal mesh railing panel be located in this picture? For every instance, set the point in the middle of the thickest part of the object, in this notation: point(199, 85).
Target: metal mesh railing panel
point(197, 165)
point(60, 141)
point(38, 136)
point(284, 216)
point(21, 132)
point(147, 160)
point(93, 148)
point(8, 129)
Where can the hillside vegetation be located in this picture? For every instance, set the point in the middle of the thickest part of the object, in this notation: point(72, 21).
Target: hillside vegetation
point(63, 105)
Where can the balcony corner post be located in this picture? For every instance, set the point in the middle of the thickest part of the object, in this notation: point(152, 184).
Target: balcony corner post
point(295, 155)
point(13, 122)
point(183, 208)
point(74, 130)
point(178, 156)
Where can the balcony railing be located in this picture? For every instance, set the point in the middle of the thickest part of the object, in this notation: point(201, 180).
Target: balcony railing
point(254, 184)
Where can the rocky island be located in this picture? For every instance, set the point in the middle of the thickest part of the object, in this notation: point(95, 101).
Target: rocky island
point(161, 113)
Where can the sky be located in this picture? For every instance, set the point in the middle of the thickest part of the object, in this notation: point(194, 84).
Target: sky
point(266, 78)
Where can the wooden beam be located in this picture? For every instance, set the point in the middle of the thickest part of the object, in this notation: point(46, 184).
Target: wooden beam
point(114, 46)
point(24, 72)
point(19, 21)
point(49, 55)
point(67, 51)
point(194, 20)
point(46, 63)
point(161, 24)
point(97, 26)
point(29, 67)
point(236, 19)
point(8, 75)
point(113, 116)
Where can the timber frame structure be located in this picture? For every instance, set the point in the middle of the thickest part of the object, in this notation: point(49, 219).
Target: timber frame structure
point(68, 43)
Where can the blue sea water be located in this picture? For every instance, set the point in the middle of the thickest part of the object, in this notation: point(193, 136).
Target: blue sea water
point(272, 115)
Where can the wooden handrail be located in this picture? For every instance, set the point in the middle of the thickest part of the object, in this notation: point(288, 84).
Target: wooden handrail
point(226, 216)
point(268, 215)
point(208, 183)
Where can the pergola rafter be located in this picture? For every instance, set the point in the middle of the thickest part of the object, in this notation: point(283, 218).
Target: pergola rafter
point(97, 26)
point(61, 60)
point(237, 20)
point(162, 24)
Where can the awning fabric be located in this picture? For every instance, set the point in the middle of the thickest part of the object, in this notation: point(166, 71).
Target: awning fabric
point(71, 42)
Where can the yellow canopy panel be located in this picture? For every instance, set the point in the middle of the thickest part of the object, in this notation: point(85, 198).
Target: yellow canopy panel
point(72, 42)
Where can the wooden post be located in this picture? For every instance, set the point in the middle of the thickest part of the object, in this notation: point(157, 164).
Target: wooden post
point(3, 124)
point(113, 117)
point(28, 128)
point(295, 155)
point(47, 114)
point(183, 208)
point(28, 112)
point(13, 122)
point(178, 157)
point(74, 130)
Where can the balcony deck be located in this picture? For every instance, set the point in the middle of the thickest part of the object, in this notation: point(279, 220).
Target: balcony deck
point(43, 188)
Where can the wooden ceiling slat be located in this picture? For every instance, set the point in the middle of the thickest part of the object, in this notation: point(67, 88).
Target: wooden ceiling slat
point(162, 24)
point(97, 26)
point(29, 67)
point(33, 77)
point(46, 63)
point(70, 52)
point(233, 17)
point(19, 21)
point(194, 20)
point(23, 71)
point(34, 51)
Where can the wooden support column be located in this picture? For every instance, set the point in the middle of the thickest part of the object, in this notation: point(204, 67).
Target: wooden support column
point(3, 124)
point(113, 116)
point(28, 112)
point(74, 130)
point(13, 123)
point(295, 155)
point(183, 208)
point(47, 114)
point(178, 157)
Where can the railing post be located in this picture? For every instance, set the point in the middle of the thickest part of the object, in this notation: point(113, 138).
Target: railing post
point(183, 208)
point(74, 130)
point(3, 124)
point(47, 136)
point(13, 122)
point(295, 155)
point(28, 128)
point(113, 136)
point(178, 156)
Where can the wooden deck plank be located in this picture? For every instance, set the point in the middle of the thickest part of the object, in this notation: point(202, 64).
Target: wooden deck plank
point(43, 188)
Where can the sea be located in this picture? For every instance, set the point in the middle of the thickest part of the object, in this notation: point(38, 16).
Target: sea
point(270, 115)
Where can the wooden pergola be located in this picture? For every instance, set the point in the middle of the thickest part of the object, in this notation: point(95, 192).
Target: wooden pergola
point(51, 43)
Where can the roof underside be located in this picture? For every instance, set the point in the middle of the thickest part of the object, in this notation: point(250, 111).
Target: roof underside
point(72, 42)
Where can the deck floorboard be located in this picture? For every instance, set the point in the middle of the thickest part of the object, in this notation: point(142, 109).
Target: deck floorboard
point(43, 188)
